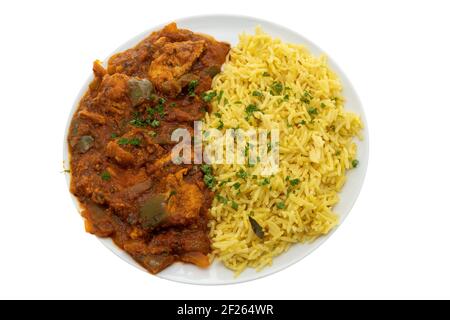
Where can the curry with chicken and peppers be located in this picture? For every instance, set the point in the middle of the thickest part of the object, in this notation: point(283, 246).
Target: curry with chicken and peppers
point(120, 147)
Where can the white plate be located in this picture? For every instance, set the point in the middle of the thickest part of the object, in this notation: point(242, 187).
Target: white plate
point(227, 28)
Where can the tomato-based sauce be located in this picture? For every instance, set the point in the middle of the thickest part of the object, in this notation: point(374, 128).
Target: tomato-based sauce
point(120, 146)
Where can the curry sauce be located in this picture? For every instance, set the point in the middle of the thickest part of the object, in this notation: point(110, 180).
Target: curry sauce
point(120, 147)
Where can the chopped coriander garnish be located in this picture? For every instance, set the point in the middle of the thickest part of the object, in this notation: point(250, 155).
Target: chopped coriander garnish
point(191, 87)
point(208, 178)
point(305, 100)
point(208, 96)
point(152, 133)
point(161, 101)
point(141, 122)
point(113, 135)
point(122, 141)
point(222, 183)
point(306, 97)
point(338, 152)
point(313, 111)
point(220, 126)
point(286, 97)
point(206, 168)
point(242, 174)
point(125, 141)
point(138, 121)
point(355, 163)
point(151, 112)
point(257, 93)
point(322, 105)
point(266, 74)
point(160, 110)
point(294, 182)
point(173, 104)
point(234, 205)
point(265, 182)
point(236, 186)
point(303, 122)
point(172, 193)
point(154, 123)
point(221, 199)
point(105, 175)
point(218, 115)
point(134, 142)
point(277, 88)
point(219, 97)
point(281, 205)
point(250, 109)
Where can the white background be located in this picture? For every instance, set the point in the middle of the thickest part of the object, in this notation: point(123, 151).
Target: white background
point(394, 244)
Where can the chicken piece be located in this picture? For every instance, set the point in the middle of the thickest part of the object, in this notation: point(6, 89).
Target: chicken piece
point(159, 164)
point(177, 203)
point(184, 204)
point(133, 62)
point(98, 69)
point(164, 136)
point(161, 42)
point(174, 34)
point(185, 115)
point(112, 95)
point(114, 87)
point(99, 73)
point(92, 116)
point(122, 157)
point(175, 59)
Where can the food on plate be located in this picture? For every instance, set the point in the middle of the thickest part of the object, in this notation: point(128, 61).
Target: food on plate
point(265, 84)
point(120, 148)
point(161, 211)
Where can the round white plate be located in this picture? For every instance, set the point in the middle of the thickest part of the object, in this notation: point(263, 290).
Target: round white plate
point(227, 28)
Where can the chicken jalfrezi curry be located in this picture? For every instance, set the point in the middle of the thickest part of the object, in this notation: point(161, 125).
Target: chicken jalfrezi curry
point(120, 146)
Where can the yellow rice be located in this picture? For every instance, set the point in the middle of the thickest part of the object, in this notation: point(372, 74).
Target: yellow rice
point(315, 148)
